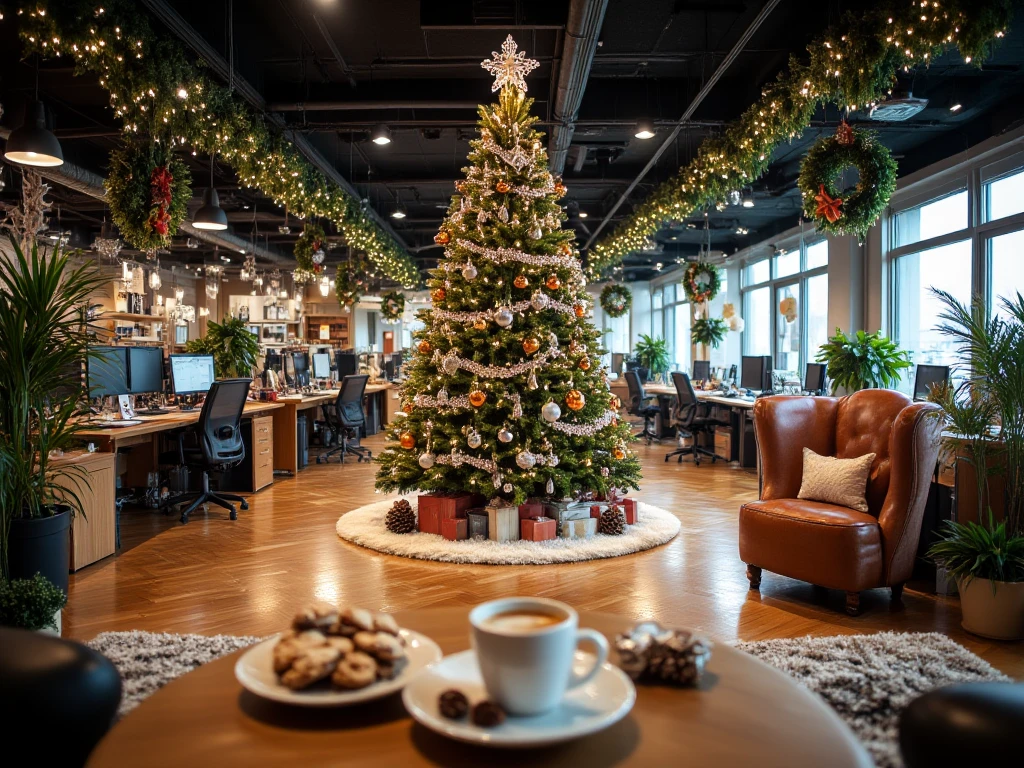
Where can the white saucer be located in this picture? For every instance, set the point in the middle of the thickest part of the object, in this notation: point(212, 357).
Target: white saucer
point(255, 671)
point(606, 699)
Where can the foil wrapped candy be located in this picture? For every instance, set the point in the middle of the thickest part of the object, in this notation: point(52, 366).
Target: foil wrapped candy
point(652, 652)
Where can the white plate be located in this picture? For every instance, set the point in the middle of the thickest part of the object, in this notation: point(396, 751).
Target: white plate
point(255, 671)
point(605, 700)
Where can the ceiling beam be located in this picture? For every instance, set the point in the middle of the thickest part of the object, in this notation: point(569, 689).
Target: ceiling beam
point(670, 139)
point(348, 106)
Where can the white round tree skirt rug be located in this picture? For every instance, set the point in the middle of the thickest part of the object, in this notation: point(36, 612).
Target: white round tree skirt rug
point(365, 526)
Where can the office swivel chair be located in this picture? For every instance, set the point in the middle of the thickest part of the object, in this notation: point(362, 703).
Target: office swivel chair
point(638, 405)
point(345, 417)
point(692, 419)
point(218, 445)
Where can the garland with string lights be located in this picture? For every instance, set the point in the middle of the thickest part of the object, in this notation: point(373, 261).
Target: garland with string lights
point(853, 64)
point(156, 90)
point(392, 306)
point(309, 248)
point(616, 299)
point(148, 190)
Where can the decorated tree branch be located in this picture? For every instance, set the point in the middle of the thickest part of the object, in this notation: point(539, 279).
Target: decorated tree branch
point(506, 396)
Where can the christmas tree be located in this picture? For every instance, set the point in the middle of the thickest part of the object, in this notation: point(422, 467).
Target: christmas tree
point(505, 394)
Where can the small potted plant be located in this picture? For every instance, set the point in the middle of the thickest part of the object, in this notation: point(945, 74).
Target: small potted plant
point(652, 354)
point(985, 420)
point(33, 604)
point(862, 361)
point(234, 347)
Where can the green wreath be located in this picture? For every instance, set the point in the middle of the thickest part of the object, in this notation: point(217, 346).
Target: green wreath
point(148, 190)
point(701, 282)
point(310, 241)
point(854, 214)
point(616, 299)
point(350, 281)
point(392, 305)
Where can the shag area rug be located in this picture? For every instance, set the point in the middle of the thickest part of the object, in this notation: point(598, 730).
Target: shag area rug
point(869, 679)
point(365, 526)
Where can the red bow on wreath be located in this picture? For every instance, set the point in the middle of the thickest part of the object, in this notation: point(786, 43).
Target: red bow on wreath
point(160, 185)
point(828, 207)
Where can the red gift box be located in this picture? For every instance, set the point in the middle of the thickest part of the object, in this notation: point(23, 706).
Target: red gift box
point(531, 509)
point(435, 507)
point(597, 509)
point(455, 528)
point(629, 508)
point(537, 529)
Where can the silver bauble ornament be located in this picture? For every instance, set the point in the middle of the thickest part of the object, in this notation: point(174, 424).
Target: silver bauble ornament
point(531, 382)
point(539, 300)
point(451, 365)
point(525, 460)
point(505, 435)
point(536, 233)
point(469, 272)
point(426, 460)
point(319, 256)
point(507, 488)
point(503, 317)
point(473, 439)
point(550, 487)
point(551, 411)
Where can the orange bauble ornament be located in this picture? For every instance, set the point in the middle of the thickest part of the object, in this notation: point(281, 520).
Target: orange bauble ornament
point(530, 345)
point(407, 441)
point(566, 249)
point(520, 281)
point(575, 399)
point(502, 187)
point(553, 282)
point(585, 364)
point(560, 189)
point(443, 237)
point(580, 310)
point(407, 408)
point(477, 398)
point(619, 454)
point(424, 347)
point(480, 325)
point(437, 294)
point(615, 403)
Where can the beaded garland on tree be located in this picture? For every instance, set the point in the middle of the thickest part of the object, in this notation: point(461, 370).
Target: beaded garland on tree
point(502, 396)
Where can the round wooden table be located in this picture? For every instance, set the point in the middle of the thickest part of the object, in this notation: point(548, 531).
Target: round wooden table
point(744, 713)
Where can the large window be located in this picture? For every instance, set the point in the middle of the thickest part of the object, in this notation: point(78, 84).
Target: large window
point(670, 319)
point(1006, 269)
point(932, 219)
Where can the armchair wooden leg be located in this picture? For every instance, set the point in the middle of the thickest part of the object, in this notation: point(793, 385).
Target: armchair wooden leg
point(853, 603)
point(897, 593)
point(754, 576)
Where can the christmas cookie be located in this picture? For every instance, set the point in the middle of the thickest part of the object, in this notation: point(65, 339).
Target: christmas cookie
point(356, 670)
point(313, 665)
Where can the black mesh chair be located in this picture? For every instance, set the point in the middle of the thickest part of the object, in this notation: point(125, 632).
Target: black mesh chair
point(218, 446)
point(692, 419)
point(345, 418)
point(638, 405)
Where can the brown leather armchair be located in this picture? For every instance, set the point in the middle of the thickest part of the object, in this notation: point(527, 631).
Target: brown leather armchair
point(825, 544)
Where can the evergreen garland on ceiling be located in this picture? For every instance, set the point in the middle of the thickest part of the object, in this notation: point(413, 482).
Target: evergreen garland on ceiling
point(853, 64)
point(156, 90)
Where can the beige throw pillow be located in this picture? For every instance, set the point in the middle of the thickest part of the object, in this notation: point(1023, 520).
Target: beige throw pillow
point(836, 481)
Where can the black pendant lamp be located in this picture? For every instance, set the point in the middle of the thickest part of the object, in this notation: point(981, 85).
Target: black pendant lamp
point(210, 215)
point(32, 143)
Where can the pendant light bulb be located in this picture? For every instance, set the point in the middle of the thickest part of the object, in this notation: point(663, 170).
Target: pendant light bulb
point(381, 134)
point(32, 143)
point(644, 129)
point(210, 216)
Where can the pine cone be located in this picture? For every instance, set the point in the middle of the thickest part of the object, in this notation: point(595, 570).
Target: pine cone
point(612, 522)
point(667, 655)
point(401, 518)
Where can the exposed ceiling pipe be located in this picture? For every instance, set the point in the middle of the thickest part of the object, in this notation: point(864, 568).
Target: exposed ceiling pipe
point(347, 106)
point(173, 20)
point(670, 139)
point(338, 58)
point(581, 33)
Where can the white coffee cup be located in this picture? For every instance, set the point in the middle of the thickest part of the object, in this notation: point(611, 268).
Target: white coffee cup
point(526, 668)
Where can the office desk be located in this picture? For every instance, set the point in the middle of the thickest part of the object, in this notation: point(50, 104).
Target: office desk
point(741, 406)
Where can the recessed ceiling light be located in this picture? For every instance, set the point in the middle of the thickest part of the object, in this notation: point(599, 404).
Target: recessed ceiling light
point(956, 108)
point(398, 213)
point(381, 134)
point(644, 129)
point(583, 214)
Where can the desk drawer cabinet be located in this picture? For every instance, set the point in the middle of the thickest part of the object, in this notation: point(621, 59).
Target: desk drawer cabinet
point(263, 451)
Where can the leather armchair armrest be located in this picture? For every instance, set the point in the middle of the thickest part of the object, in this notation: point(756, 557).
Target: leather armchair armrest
point(913, 452)
point(783, 427)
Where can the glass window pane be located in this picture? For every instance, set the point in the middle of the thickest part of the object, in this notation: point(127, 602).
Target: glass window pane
point(1006, 270)
point(757, 339)
point(682, 349)
point(934, 218)
point(787, 323)
point(656, 299)
point(670, 333)
point(947, 268)
point(787, 264)
point(817, 254)
point(816, 309)
point(616, 339)
point(758, 272)
point(669, 293)
point(1005, 196)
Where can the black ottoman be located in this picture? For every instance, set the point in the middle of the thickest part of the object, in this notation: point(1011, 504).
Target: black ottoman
point(965, 724)
point(58, 697)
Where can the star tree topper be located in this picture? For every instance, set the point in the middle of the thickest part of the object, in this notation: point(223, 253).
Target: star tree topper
point(509, 67)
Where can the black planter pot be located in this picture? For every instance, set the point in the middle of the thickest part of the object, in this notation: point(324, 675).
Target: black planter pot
point(41, 545)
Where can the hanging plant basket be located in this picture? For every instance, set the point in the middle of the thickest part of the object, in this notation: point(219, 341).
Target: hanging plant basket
point(826, 160)
point(701, 281)
point(392, 305)
point(309, 249)
point(148, 190)
point(616, 299)
point(709, 331)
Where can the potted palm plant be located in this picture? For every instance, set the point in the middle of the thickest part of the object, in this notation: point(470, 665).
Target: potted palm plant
point(985, 419)
point(862, 361)
point(651, 354)
point(43, 342)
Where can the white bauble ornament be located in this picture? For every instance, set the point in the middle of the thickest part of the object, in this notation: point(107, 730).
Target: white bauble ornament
point(426, 460)
point(507, 488)
point(473, 439)
point(503, 317)
point(550, 487)
point(469, 272)
point(551, 412)
point(525, 460)
point(505, 435)
point(539, 300)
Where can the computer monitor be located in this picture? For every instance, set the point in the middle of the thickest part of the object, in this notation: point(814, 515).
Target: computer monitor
point(272, 361)
point(755, 372)
point(300, 364)
point(191, 374)
point(107, 371)
point(347, 364)
point(701, 370)
point(814, 378)
point(145, 370)
point(396, 359)
point(928, 376)
point(321, 365)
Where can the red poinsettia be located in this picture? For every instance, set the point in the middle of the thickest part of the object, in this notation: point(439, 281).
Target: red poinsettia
point(160, 220)
point(160, 185)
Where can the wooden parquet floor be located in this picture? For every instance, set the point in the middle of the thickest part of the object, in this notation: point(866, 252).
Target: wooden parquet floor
point(247, 577)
